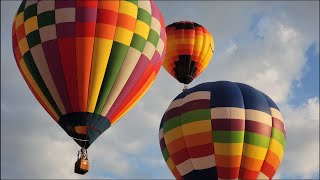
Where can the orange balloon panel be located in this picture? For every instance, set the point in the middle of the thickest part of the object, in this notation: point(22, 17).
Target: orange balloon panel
point(190, 48)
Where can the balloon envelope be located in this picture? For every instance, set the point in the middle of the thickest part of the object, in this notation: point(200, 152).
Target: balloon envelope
point(87, 61)
point(222, 130)
point(190, 48)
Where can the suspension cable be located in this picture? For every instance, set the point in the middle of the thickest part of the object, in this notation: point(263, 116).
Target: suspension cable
point(185, 87)
point(79, 139)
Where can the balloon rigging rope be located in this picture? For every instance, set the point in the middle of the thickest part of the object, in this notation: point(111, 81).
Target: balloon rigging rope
point(85, 143)
point(211, 48)
point(185, 87)
point(79, 139)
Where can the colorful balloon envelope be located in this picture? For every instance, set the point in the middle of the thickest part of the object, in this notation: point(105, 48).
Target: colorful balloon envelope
point(222, 130)
point(190, 49)
point(87, 61)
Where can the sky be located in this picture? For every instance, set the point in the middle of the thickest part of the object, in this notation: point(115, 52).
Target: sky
point(270, 45)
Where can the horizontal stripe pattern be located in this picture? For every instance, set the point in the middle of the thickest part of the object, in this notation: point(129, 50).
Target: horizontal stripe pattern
point(201, 131)
point(190, 49)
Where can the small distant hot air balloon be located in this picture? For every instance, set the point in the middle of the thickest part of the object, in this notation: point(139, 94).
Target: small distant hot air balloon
point(222, 130)
point(87, 61)
point(190, 48)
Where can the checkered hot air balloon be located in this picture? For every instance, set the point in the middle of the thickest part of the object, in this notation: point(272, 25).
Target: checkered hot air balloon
point(222, 130)
point(190, 49)
point(87, 61)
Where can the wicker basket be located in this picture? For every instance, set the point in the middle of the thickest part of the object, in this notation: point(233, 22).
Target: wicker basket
point(81, 166)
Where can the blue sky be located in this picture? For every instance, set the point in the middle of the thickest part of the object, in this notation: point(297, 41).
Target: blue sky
point(272, 46)
point(308, 86)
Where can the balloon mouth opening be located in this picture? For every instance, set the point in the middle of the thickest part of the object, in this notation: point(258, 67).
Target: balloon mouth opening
point(186, 79)
point(84, 127)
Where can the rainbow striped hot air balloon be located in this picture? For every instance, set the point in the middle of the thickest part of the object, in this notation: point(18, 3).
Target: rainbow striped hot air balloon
point(190, 49)
point(222, 130)
point(87, 61)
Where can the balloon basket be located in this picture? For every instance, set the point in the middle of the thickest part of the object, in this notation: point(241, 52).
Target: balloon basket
point(82, 164)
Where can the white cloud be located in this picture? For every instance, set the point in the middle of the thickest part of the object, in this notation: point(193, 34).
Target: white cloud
point(35, 147)
point(302, 151)
point(271, 63)
point(40, 141)
point(231, 49)
point(286, 35)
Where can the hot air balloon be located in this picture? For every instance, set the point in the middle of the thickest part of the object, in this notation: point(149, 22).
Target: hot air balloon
point(87, 61)
point(222, 130)
point(190, 49)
